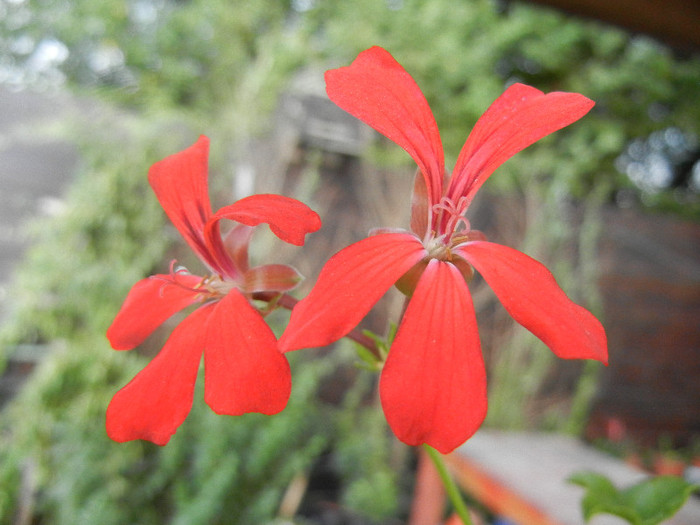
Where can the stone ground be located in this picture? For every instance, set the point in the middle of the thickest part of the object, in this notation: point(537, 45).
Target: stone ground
point(523, 476)
point(36, 167)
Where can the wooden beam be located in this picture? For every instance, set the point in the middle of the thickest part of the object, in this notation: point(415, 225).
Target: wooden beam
point(675, 22)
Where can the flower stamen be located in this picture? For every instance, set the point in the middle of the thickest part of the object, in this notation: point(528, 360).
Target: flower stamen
point(172, 279)
point(450, 215)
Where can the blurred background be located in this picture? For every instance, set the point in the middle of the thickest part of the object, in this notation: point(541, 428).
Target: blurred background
point(92, 93)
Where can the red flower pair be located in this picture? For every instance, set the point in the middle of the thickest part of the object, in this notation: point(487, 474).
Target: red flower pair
point(433, 384)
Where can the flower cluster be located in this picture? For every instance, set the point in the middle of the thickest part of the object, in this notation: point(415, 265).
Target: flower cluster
point(433, 383)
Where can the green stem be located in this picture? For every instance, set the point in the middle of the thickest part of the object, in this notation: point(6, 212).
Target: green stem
point(450, 487)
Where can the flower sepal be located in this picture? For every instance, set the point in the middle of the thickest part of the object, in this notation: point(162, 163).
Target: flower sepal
point(407, 282)
point(272, 278)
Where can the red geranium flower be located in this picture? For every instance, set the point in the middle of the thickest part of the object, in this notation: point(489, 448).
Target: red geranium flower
point(244, 370)
point(433, 384)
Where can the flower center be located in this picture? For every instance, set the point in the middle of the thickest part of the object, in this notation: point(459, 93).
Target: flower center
point(217, 286)
point(438, 248)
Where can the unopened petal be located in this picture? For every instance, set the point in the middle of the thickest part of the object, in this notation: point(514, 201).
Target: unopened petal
point(521, 116)
point(149, 303)
point(376, 89)
point(433, 385)
point(155, 403)
point(243, 369)
point(530, 294)
point(421, 207)
point(350, 283)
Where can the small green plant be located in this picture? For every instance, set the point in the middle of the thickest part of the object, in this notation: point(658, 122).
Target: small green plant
point(648, 502)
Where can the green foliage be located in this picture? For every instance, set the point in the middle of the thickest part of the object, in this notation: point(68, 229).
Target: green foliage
point(223, 63)
point(375, 361)
point(155, 53)
point(215, 469)
point(468, 51)
point(216, 57)
point(110, 235)
point(648, 502)
point(362, 454)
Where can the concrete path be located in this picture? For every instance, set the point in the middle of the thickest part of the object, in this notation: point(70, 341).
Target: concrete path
point(522, 476)
point(36, 166)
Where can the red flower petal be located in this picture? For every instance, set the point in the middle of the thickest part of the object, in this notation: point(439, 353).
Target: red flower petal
point(149, 303)
point(433, 385)
point(236, 242)
point(521, 116)
point(376, 89)
point(288, 218)
point(351, 282)
point(243, 369)
point(532, 297)
point(156, 402)
point(180, 183)
point(421, 210)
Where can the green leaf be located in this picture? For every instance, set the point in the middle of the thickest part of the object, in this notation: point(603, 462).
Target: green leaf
point(602, 497)
point(648, 502)
point(369, 360)
point(659, 498)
